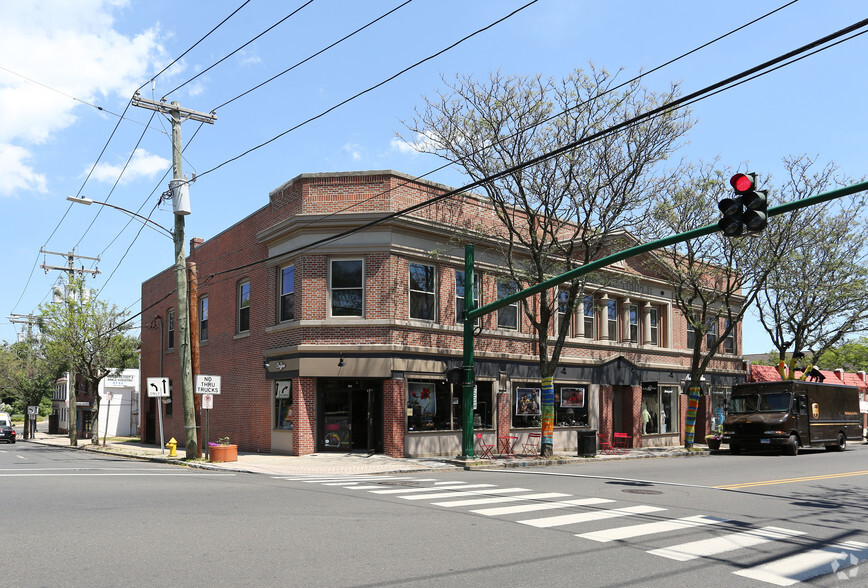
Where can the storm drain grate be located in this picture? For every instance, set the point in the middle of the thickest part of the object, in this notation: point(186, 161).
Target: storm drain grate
point(641, 491)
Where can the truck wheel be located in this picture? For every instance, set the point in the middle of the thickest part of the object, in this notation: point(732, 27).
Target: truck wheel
point(792, 446)
point(842, 443)
point(734, 448)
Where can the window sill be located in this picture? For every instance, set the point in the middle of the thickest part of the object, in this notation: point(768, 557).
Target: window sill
point(243, 335)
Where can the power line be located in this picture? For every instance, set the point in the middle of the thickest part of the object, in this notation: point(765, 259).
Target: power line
point(374, 87)
point(691, 98)
point(218, 62)
point(543, 121)
point(308, 58)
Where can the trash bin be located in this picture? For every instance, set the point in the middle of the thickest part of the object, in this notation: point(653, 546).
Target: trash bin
point(587, 443)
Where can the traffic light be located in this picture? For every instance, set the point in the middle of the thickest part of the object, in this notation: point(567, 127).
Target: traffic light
point(747, 212)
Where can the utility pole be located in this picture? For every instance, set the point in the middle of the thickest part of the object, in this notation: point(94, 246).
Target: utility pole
point(27, 319)
point(70, 384)
point(177, 115)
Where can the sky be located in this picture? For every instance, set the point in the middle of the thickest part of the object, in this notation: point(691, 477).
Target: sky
point(69, 69)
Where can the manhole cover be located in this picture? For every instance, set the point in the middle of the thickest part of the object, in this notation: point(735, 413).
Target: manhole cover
point(398, 483)
point(641, 491)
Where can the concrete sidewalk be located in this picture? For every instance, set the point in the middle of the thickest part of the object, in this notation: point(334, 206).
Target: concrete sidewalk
point(340, 464)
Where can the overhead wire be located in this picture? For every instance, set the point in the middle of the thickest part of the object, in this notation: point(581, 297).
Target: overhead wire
point(233, 52)
point(681, 102)
point(547, 119)
point(121, 117)
point(369, 89)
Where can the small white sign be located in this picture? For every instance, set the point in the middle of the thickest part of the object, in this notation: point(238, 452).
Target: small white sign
point(284, 389)
point(207, 401)
point(159, 387)
point(33, 410)
point(207, 384)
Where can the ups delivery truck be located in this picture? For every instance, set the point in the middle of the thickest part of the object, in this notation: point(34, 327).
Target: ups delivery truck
point(790, 414)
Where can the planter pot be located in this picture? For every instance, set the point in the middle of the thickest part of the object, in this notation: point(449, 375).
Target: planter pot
point(221, 453)
point(713, 444)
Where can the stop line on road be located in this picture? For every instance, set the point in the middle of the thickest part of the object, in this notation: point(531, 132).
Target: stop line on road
point(784, 571)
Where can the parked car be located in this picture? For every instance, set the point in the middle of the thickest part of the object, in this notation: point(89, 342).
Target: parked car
point(7, 433)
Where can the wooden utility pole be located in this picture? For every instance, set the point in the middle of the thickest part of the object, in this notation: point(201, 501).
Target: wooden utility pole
point(176, 116)
point(70, 269)
point(194, 342)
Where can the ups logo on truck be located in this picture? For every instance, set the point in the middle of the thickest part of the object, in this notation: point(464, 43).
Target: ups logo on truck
point(815, 410)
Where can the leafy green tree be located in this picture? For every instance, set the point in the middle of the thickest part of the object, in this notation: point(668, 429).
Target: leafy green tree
point(87, 334)
point(26, 377)
point(850, 355)
point(558, 213)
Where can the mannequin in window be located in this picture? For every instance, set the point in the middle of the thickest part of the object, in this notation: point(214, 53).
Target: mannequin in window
point(646, 418)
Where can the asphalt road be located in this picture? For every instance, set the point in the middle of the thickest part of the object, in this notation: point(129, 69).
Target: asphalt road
point(82, 519)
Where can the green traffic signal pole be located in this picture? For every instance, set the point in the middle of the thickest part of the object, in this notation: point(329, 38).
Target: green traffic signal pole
point(471, 314)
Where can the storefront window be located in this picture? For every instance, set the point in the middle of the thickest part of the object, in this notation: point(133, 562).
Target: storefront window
point(437, 406)
point(659, 409)
point(571, 406)
point(718, 406)
point(283, 404)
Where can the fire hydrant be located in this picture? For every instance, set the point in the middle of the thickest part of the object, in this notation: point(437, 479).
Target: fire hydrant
point(172, 445)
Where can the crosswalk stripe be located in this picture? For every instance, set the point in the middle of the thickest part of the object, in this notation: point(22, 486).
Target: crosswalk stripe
point(412, 490)
point(730, 542)
point(462, 494)
point(804, 566)
point(582, 517)
point(499, 499)
point(522, 508)
point(632, 531)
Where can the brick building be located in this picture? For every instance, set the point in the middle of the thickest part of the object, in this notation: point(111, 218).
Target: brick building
point(346, 344)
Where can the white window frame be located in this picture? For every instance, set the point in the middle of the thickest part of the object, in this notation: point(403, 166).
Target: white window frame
point(170, 329)
point(612, 319)
point(430, 296)
point(241, 307)
point(513, 288)
point(459, 300)
point(284, 294)
point(655, 326)
point(634, 323)
point(589, 314)
point(203, 318)
point(333, 289)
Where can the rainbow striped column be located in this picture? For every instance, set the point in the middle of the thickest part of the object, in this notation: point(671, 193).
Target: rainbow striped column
point(692, 406)
point(548, 410)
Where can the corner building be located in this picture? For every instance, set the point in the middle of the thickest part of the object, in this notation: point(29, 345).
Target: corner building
point(349, 344)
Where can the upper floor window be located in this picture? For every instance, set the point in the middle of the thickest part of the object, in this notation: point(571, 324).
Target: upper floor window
point(655, 327)
point(170, 328)
point(422, 300)
point(588, 313)
point(244, 307)
point(612, 319)
point(460, 290)
point(691, 336)
point(507, 317)
point(634, 323)
point(203, 318)
point(346, 281)
point(729, 343)
point(287, 293)
point(711, 334)
point(563, 298)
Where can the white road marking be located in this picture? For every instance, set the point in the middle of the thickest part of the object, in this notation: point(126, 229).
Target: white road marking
point(520, 508)
point(804, 566)
point(462, 494)
point(500, 499)
point(412, 490)
point(582, 517)
point(632, 531)
point(730, 542)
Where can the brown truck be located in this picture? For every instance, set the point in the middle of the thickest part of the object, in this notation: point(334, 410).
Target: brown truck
point(790, 414)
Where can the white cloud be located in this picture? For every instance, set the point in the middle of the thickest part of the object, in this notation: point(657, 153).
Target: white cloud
point(142, 165)
point(17, 174)
point(423, 144)
point(53, 52)
point(354, 151)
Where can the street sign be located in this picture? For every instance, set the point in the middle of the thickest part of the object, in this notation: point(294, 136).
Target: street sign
point(284, 389)
point(159, 387)
point(208, 401)
point(33, 410)
point(207, 384)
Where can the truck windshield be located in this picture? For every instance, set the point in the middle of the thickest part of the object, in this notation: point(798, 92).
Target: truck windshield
point(778, 402)
point(743, 404)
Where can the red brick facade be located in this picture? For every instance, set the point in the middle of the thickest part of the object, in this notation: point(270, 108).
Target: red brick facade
point(364, 365)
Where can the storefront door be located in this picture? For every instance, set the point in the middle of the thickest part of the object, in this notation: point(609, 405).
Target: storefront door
point(350, 415)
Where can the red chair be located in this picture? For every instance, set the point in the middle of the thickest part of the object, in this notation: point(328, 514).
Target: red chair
point(531, 444)
point(483, 449)
point(605, 445)
point(622, 441)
